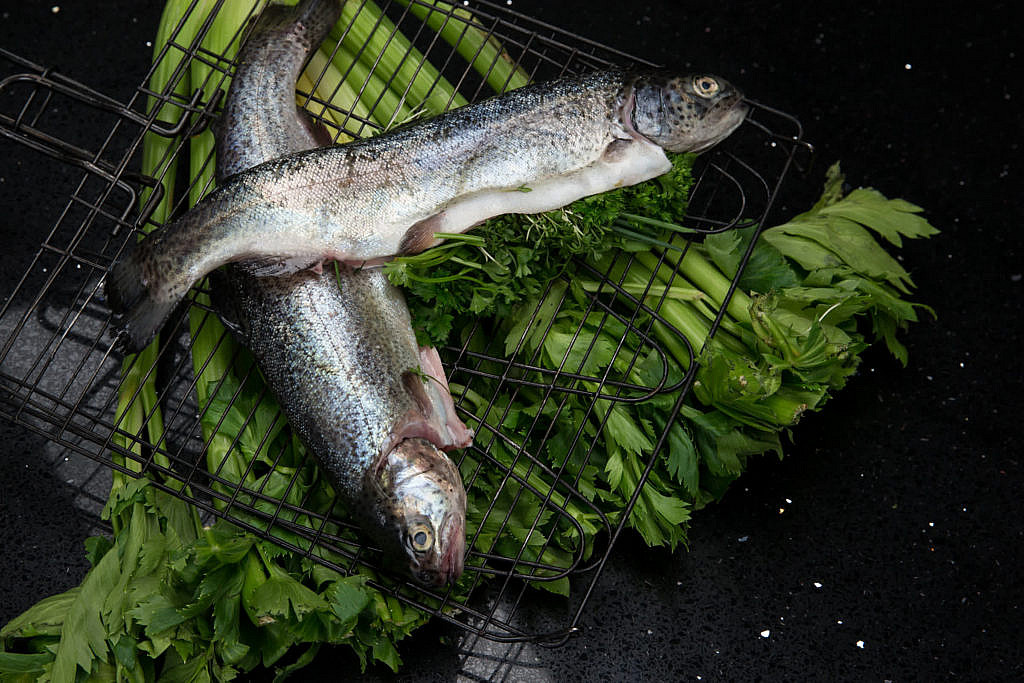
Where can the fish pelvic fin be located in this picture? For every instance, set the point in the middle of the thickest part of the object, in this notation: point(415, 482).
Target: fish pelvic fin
point(276, 266)
point(138, 316)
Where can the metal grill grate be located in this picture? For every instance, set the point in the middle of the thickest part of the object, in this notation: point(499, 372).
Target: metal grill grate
point(67, 387)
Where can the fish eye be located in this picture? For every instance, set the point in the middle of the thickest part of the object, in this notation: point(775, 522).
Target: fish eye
point(421, 538)
point(705, 86)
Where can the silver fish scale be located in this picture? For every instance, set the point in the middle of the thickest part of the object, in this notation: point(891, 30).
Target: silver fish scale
point(260, 120)
point(342, 393)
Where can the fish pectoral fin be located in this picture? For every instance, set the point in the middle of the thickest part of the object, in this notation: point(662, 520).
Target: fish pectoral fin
point(414, 383)
point(274, 266)
point(442, 408)
point(316, 129)
point(421, 235)
point(433, 417)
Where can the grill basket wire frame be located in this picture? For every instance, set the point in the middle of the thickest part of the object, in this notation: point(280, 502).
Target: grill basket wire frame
point(66, 388)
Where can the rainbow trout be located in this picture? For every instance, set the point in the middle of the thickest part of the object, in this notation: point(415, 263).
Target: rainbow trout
point(530, 150)
point(338, 349)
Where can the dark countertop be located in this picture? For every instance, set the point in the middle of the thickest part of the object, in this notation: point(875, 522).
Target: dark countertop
point(887, 545)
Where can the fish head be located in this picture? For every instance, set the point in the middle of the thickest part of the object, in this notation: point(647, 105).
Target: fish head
point(419, 507)
point(688, 113)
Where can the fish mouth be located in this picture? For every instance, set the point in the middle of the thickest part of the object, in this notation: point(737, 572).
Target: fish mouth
point(728, 118)
point(453, 559)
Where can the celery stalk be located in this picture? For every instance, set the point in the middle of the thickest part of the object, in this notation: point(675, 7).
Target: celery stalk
point(332, 87)
point(330, 118)
point(477, 45)
point(385, 106)
point(376, 41)
point(707, 277)
point(137, 397)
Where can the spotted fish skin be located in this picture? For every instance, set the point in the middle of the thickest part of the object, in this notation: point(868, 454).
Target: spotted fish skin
point(260, 120)
point(366, 201)
point(337, 348)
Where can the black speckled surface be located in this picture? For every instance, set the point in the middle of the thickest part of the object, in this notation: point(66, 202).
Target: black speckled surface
point(888, 545)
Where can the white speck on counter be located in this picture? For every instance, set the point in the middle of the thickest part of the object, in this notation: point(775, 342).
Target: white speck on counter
point(765, 633)
point(817, 584)
point(789, 500)
point(907, 67)
point(860, 644)
point(55, 9)
point(743, 539)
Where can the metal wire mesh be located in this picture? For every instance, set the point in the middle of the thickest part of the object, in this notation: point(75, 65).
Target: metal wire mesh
point(66, 387)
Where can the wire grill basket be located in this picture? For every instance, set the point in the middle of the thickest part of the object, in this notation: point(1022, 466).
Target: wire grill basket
point(66, 387)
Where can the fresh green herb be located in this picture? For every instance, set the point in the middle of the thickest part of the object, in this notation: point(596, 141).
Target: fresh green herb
point(813, 293)
point(516, 256)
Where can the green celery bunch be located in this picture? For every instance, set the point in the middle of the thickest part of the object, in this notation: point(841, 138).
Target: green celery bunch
point(813, 293)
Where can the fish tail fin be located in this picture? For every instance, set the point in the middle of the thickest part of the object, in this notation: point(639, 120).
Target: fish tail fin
point(138, 316)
